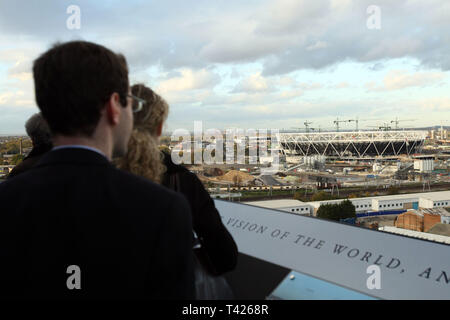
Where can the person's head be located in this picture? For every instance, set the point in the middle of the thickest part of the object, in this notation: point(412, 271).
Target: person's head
point(81, 86)
point(144, 157)
point(37, 129)
point(154, 111)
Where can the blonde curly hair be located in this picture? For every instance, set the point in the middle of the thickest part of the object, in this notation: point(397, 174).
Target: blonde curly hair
point(144, 158)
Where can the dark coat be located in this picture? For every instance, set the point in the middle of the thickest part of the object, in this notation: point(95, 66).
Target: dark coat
point(217, 241)
point(30, 160)
point(130, 237)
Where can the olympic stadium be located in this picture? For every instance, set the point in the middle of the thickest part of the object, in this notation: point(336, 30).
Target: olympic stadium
point(360, 144)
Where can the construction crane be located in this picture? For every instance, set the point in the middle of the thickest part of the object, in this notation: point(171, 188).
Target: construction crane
point(396, 121)
point(384, 127)
point(306, 123)
point(318, 129)
point(337, 121)
point(357, 121)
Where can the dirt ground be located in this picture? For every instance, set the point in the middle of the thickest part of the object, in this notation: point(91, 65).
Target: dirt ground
point(382, 221)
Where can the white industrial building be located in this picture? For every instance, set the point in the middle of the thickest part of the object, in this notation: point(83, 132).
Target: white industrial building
point(426, 200)
point(424, 165)
point(361, 204)
point(435, 200)
point(395, 202)
point(292, 206)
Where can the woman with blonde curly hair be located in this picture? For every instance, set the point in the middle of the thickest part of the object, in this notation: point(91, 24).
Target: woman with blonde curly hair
point(218, 251)
point(144, 157)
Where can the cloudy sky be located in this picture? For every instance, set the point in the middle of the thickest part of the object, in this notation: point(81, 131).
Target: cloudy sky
point(250, 64)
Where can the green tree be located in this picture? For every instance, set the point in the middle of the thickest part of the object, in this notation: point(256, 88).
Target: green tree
point(322, 196)
point(328, 211)
point(347, 209)
point(337, 211)
point(392, 190)
point(300, 195)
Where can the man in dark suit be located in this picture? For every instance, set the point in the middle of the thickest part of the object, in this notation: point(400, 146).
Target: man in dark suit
point(73, 226)
point(39, 133)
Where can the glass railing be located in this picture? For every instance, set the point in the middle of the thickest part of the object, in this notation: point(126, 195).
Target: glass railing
point(309, 258)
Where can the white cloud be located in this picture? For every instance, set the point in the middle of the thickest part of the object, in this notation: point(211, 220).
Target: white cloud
point(436, 104)
point(289, 94)
point(341, 85)
point(286, 81)
point(316, 46)
point(253, 83)
point(398, 79)
point(401, 79)
point(186, 46)
point(19, 61)
point(188, 80)
point(187, 97)
point(22, 76)
point(310, 86)
point(5, 97)
point(284, 34)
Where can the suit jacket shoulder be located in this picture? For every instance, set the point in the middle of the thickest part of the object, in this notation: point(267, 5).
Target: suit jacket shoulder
point(75, 208)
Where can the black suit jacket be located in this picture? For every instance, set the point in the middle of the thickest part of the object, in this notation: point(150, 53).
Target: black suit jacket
point(130, 237)
point(217, 241)
point(30, 160)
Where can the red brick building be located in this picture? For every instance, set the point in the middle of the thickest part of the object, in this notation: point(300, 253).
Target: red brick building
point(413, 220)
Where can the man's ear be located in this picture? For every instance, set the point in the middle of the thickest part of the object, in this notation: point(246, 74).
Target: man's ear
point(112, 109)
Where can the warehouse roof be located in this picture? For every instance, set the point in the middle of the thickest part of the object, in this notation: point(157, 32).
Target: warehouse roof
point(416, 234)
point(439, 211)
point(276, 204)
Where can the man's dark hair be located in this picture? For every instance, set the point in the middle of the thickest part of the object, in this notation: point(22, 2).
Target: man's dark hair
point(73, 81)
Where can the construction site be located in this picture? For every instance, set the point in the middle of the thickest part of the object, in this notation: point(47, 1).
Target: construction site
point(388, 159)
